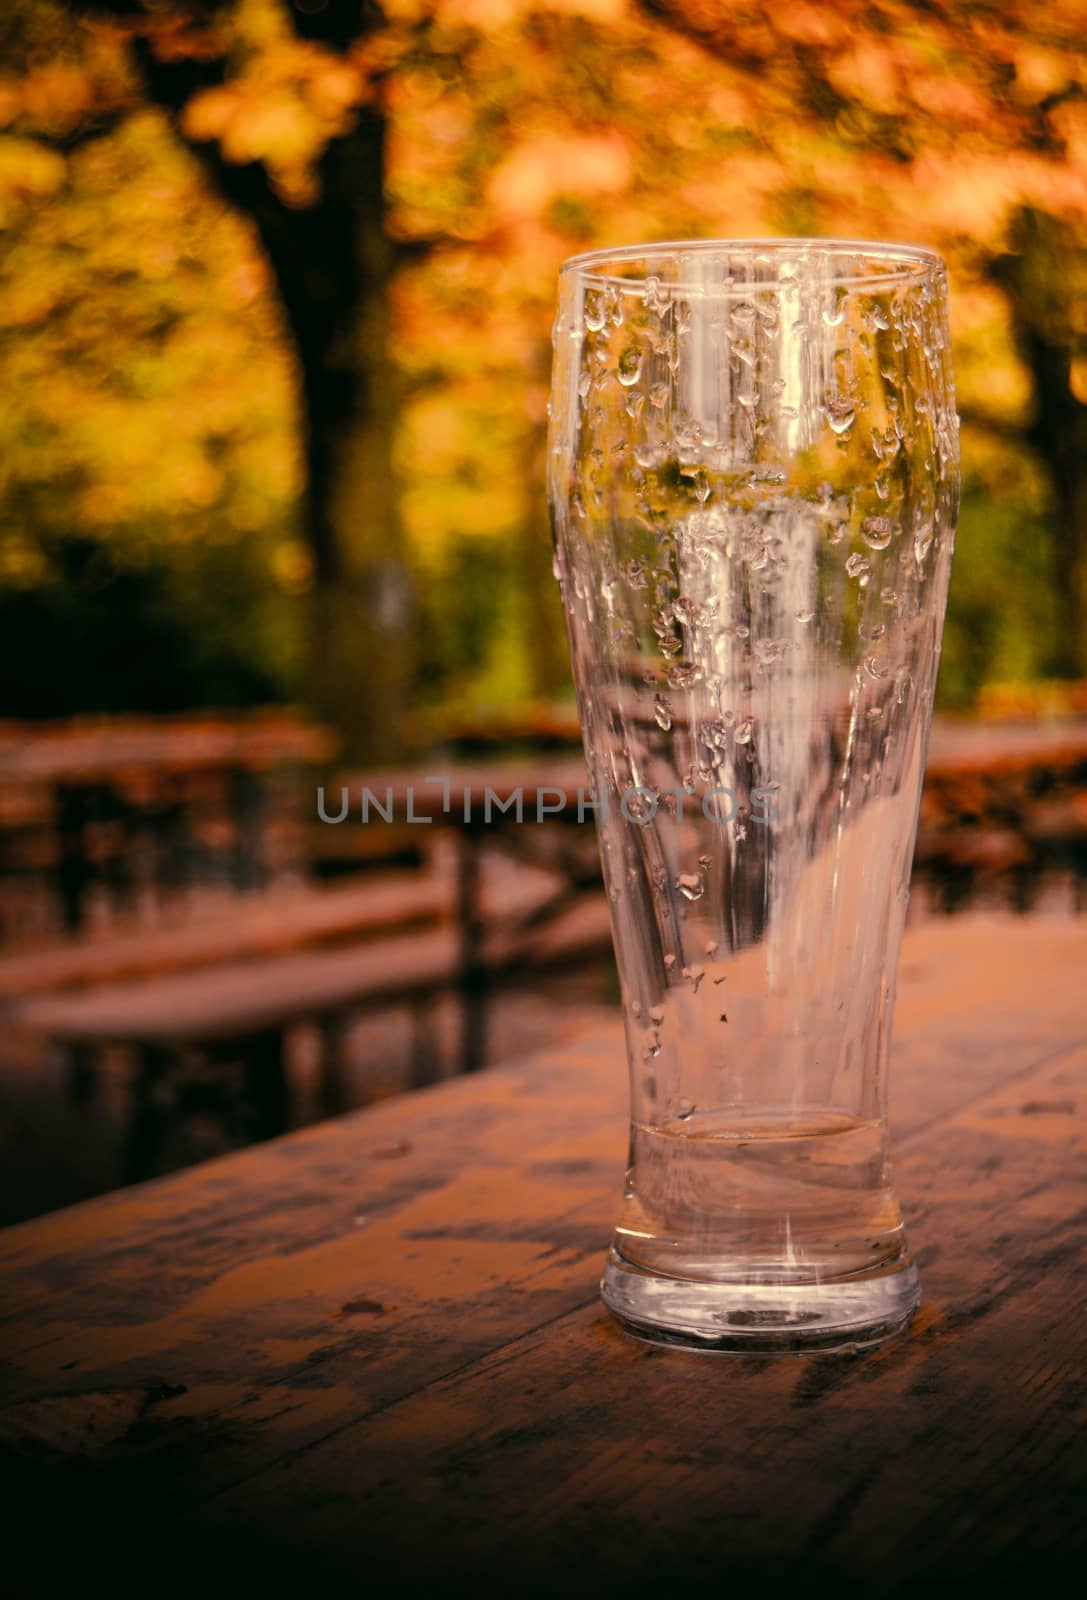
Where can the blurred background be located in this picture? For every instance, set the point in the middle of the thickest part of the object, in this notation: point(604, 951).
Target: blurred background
point(276, 290)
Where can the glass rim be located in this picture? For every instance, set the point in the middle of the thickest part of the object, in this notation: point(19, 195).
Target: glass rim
point(910, 263)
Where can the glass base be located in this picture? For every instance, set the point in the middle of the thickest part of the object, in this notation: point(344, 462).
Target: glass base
point(764, 1318)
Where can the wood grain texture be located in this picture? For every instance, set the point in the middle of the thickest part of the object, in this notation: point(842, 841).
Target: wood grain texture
point(254, 929)
point(124, 748)
point(373, 1352)
point(307, 967)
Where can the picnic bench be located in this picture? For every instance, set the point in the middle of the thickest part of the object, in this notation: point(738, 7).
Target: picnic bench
point(1004, 804)
point(117, 985)
point(371, 1356)
point(78, 794)
point(239, 1012)
point(467, 801)
point(263, 925)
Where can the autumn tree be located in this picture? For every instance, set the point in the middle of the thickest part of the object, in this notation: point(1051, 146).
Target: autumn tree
point(281, 101)
point(964, 121)
point(416, 177)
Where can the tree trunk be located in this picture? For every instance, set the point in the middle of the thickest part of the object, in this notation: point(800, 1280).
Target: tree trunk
point(361, 656)
point(1059, 435)
point(332, 262)
point(1040, 283)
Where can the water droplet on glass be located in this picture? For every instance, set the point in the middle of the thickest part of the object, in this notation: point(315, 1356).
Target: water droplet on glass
point(685, 1110)
point(684, 674)
point(656, 1015)
point(744, 731)
point(594, 310)
point(876, 668)
point(877, 531)
point(711, 947)
point(636, 574)
point(662, 713)
point(841, 421)
point(584, 384)
point(658, 395)
point(630, 366)
point(804, 616)
point(654, 300)
point(858, 566)
point(875, 713)
point(652, 1049)
point(694, 976)
point(669, 961)
point(690, 886)
point(921, 542)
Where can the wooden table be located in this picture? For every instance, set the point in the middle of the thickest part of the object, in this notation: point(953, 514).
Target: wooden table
point(372, 1354)
point(97, 750)
point(127, 771)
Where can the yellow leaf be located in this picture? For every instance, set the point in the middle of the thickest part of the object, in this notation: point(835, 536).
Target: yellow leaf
point(29, 169)
point(209, 113)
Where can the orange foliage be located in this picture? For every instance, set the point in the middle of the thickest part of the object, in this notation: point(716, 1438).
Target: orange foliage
point(551, 164)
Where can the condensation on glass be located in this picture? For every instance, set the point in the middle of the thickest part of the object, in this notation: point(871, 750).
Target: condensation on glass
point(753, 476)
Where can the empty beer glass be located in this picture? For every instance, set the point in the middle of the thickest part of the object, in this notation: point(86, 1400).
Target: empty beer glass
point(753, 476)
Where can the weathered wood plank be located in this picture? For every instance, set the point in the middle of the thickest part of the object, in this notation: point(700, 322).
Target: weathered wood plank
point(236, 1326)
point(125, 747)
point(242, 996)
point(575, 1458)
point(276, 922)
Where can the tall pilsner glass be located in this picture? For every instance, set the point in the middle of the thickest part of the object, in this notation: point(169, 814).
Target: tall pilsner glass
point(753, 474)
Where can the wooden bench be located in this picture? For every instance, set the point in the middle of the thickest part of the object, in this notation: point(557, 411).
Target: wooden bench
point(242, 1012)
point(94, 784)
point(254, 927)
point(1003, 806)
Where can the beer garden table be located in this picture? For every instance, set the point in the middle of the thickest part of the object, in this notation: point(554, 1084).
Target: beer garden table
point(131, 771)
point(371, 1354)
